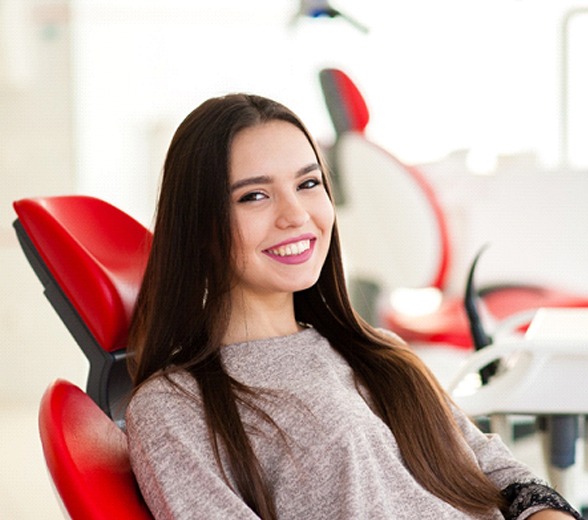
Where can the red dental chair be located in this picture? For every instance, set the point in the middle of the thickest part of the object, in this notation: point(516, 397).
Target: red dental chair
point(90, 258)
point(403, 242)
point(86, 453)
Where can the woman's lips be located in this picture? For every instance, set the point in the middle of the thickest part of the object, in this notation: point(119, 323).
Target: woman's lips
point(295, 251)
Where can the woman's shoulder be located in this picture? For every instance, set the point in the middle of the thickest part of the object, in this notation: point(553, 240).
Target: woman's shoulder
point(168, 381)
point(166, 410)
point(164, 390)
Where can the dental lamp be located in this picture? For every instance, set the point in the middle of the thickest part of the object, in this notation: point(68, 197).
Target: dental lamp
point(323, 9)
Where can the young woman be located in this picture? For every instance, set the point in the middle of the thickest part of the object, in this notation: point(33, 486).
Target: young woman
point(259, 392)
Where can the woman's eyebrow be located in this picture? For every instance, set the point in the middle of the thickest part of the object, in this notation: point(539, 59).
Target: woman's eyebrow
point(307, 169)
point(266, 179)
point(260, 179)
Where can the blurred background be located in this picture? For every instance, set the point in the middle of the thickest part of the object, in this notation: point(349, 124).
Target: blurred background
point(488, 98)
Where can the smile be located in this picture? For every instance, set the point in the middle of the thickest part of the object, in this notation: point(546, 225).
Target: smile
point(296, 248)
point(294, 252)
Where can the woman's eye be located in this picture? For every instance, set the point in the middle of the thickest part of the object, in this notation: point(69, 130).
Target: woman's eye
point(309, 184)
point(252, 197)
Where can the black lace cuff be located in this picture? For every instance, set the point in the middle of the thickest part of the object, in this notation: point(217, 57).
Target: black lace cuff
point(524, 495)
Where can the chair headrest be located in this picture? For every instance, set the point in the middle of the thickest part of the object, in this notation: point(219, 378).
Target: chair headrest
point(96, 253)
point(346, 105)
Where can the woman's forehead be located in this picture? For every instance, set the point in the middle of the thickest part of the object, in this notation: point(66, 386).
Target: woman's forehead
point(269, 148)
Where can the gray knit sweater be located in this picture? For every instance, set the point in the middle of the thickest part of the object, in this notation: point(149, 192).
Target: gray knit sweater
point(338, 460)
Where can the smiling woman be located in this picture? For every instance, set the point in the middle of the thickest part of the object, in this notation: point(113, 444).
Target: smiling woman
point(259, 392)
point(282, 222)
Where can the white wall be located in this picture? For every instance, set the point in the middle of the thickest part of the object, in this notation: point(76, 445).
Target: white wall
point(36, 158)
point(439, 76)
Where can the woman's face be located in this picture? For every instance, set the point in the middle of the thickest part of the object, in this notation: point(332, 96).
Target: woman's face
point(282, 216)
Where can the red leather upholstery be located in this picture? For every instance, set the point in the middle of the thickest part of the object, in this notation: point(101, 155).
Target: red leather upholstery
point(98, 270)
point(87, 457)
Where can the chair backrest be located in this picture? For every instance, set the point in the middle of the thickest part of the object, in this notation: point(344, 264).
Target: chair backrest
point(393, 228)
point(345, 104)
point(87, 457)
point(90, 257)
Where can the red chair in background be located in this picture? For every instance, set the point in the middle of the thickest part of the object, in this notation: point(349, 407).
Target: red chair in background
point(401, 241)
point(90, 258)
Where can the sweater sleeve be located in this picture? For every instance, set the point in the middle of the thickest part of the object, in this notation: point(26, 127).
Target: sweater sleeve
point(524, 492)
point(173, 461)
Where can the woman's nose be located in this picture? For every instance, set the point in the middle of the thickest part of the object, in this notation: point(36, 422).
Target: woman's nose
point(291, 212)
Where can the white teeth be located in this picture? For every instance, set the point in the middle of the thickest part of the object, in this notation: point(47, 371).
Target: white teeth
point(296, 248)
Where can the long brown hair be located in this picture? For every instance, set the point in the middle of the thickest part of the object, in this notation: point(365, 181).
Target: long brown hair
point(182, 309)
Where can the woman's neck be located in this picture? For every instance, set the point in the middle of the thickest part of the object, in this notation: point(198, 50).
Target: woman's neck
point(260, 318)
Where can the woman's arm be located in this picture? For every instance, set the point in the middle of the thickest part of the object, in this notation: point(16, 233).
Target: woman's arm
point(550, 514)
point(173, 459)
point(528, 499)
point(525, 493)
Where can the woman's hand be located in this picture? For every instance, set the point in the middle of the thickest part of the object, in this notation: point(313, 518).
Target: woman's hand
point(550, 514)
